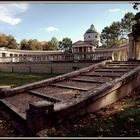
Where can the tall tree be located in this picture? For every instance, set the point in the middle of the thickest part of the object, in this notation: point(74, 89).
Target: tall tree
point(66, 44)
point(110, 35)
point(116, 33)
point(105, 36)
point(53, 44)
point(136, 26)
point(126, 22)
point(115, 30)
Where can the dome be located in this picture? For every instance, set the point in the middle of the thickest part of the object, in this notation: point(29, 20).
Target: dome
point(91, 29)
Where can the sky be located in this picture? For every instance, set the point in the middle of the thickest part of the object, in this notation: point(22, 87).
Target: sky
point(44, 20)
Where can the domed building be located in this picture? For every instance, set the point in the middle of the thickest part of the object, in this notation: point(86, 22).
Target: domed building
point(90, 43)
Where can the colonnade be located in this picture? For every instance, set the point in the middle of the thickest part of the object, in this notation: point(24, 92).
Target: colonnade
point(117, 54)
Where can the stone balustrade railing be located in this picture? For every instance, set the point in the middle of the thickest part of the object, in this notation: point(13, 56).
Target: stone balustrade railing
point(116, 54)
point(49, 58)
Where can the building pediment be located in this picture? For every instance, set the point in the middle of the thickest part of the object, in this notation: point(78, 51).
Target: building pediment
point(79, 43)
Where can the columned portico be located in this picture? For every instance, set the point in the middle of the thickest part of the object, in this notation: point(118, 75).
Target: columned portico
point(90, 43)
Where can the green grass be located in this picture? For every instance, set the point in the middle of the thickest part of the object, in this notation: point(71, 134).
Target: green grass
point(19, 79)
point(126, 123)
point(123, 123)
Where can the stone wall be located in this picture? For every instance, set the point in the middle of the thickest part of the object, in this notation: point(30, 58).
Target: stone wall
point(55, 68)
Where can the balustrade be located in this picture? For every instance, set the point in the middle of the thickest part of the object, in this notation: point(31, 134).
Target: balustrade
point(120, 54)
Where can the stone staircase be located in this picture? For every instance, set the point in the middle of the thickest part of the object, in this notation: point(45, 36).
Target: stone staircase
point(71, 94)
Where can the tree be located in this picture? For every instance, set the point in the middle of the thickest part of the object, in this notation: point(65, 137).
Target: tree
point(24, 45)
point(66, 44)
point(115, 30)
point(126, 22)
point(105, 36)
point(8, 41)
point(135, 6)
point(32, 44)
point(110, 35)
point(45, 45)
point(53, 44)
point(12, 44)
point(116, 33)
point(136, 26)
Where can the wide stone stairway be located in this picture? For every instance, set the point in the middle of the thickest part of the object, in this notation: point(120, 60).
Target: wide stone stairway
point(66, 90)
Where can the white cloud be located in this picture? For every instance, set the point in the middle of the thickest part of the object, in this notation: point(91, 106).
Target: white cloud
point(114, 10)
point(51, 29)
point(21, 7)
point(8, 13)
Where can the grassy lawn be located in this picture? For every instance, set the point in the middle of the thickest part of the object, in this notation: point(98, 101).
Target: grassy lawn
point(19, 79)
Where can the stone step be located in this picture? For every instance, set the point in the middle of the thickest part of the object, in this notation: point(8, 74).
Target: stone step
point(70, 87)
point(51, 99)
point(88, 80)
point(111, 70)
point(124, 65)
point(82, 86)
point(103, 74)
point(119, 67)
point(105, 79)
point(58, 93)
point(125, 62)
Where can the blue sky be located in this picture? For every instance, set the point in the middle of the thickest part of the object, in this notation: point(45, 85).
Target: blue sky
point(43, 20)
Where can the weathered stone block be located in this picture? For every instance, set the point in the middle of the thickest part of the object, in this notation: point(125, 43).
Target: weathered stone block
point(5, 90)
point(41, 107)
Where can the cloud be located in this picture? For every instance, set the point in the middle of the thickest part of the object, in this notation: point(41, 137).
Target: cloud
point(51, 29)
point(8, 13)
point(114, 10)
point(21, 7)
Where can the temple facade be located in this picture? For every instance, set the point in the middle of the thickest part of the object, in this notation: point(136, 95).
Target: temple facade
point(90, 43)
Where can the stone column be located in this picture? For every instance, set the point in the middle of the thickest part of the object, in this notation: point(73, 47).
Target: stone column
point(137, 46)
point(82, 49)
point(132, 48)
point(78, 49)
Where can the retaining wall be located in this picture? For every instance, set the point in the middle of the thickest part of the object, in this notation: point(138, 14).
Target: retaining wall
point(54, 67)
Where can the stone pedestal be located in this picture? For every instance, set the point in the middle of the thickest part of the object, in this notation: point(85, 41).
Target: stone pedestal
point(38, 115)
